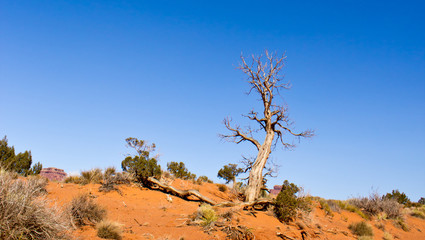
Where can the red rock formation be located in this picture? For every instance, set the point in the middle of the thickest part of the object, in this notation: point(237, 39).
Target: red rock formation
point(276, 189)
point(53, 174)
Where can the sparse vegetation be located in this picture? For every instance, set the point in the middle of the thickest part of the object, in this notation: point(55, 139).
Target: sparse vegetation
point(400, 223)
point(361, 229)
point(84, 211)
point(351, 208)
point(25, 213)
point(325, 206)
point(109, 230)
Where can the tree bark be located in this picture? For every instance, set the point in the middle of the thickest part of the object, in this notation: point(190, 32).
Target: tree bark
point(255, 182)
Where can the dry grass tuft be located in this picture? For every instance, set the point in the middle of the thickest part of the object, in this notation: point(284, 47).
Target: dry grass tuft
point(84, 211)
point(109, 230)
point(361, 229)
point(25, 213)
point(205, 216)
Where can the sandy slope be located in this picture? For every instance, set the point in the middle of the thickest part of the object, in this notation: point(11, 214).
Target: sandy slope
point(146, 214)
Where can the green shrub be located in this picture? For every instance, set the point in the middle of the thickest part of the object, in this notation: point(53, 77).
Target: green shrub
point(361, 229)
point(109, 230)
point(287, 203)
point(25, 213)
point(85, 211)
point(19, 163)
point(222, 187)
point(179, 170)
point(400, 197)
point(142, 168)
point(421, 201)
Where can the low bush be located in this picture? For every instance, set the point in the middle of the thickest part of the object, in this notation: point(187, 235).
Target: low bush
point(84, 211)
point(361, 229)
point(25, 213)
point(109, 230)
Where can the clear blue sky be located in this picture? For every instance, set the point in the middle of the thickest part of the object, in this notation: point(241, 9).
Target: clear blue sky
point(78, 77)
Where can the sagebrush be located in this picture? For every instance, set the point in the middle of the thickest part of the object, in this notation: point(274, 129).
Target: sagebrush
point(84, 211)
point(25, 213)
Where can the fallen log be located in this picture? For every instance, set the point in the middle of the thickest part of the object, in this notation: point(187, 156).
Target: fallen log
point(263, 203)
point(181, 193)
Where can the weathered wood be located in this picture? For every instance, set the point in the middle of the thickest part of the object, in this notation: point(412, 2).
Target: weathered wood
point(181, 193)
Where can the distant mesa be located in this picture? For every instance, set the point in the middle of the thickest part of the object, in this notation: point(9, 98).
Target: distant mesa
point(276, 189)
point(53, 174)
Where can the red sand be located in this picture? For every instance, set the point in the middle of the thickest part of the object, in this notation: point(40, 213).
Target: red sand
point(146, 214)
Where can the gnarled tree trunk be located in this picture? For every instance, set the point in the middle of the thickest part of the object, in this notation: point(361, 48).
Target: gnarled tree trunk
point(255, 181)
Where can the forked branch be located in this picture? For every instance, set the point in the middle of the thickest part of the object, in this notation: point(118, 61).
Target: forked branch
point(238, 135)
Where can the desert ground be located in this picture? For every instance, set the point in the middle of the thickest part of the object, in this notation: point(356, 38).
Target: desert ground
point(152, 214)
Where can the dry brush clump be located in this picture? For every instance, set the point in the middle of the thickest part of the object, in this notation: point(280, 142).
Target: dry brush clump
point(361, 229)
point(374, 204)
point(84, 211)
point(109, 230)
point(25, 213)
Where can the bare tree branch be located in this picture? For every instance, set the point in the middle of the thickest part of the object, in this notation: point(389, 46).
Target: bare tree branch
point(238, 136)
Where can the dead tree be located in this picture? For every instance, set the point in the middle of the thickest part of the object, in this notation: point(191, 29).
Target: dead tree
point(265, 79)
